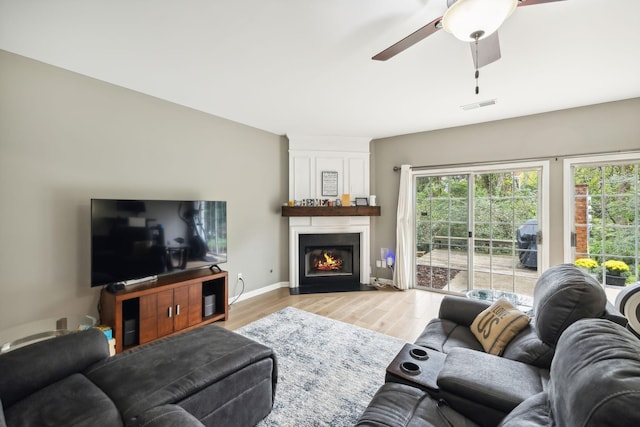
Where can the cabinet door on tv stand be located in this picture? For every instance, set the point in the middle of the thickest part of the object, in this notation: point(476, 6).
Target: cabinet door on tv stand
point(187, 303)
point(166, 313)
point(195, 304)
point(148, 328)
point(181, 307)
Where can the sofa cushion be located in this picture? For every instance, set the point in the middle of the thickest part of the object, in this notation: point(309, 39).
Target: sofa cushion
point(595, 376)
point(562, 295)
point(496, 326)
point(72, 401)
point(442, 335)
point(225, 402)
point(527, 347)
point(28, 369)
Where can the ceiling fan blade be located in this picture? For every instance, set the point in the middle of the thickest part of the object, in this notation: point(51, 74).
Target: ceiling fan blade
point(409, 41)
point(488, 50)
point(532, 2)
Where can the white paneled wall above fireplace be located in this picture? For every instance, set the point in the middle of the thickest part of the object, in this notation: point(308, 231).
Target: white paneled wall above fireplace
point(309, 156)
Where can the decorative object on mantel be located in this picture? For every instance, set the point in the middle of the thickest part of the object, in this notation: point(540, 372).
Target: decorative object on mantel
point(330, 183)
point(362, 201)
point(346, 200)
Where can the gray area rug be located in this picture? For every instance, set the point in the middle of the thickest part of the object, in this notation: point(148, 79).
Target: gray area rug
point(328, 371)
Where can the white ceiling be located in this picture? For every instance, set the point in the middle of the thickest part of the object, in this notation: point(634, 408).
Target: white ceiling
point(304, 67)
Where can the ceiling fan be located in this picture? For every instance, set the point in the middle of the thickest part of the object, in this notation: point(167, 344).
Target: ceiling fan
point(474, 21)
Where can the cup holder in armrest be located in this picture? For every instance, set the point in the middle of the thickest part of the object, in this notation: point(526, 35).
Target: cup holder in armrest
point(410, 368)
point(416, 366)
point(419, 354)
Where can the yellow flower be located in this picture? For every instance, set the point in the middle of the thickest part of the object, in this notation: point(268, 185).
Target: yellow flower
point(587, 263)
point(616, 266)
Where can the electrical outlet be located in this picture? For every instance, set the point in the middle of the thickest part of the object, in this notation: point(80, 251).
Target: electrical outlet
point(239, 276)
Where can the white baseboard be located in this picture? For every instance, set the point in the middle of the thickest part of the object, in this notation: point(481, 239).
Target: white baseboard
point(260, 291)
point(278, 285)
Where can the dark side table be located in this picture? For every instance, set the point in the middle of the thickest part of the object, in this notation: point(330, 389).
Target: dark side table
point(416, 366)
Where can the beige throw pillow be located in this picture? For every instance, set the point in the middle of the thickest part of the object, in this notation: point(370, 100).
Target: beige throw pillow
point(497, 325)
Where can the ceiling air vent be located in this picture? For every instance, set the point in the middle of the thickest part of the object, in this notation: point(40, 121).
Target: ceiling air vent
point(478, 104)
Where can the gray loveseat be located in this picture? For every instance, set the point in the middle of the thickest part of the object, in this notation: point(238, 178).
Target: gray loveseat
point(208, 376)
point(562, 295)
point(594, 382)
point(483, 389)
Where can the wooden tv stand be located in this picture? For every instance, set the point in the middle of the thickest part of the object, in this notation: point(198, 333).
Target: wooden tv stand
point(170, 305)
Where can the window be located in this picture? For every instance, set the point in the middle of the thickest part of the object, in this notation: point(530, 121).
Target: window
point(602, 216)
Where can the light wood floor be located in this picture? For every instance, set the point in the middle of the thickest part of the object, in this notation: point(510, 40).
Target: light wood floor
point(402, 314)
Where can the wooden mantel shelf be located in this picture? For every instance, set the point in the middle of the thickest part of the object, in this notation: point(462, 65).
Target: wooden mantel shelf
point(331, 211)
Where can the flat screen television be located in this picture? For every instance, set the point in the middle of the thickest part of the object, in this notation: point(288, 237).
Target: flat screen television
point(133, 240)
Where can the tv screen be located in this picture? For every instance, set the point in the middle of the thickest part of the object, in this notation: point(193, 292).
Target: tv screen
point(137, 239)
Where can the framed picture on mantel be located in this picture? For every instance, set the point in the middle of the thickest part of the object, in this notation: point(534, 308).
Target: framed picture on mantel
point(362, 201)
point(329, 183)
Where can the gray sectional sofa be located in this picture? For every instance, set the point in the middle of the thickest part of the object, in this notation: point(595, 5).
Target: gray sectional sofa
point(594, 381)
point(208, 376)
point(472, 387)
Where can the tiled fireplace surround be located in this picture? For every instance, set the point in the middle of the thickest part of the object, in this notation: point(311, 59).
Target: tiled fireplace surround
point(309, 156)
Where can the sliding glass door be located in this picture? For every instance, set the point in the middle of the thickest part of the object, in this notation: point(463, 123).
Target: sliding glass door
point(442, 231)
point(480, 229)
point(506, 236)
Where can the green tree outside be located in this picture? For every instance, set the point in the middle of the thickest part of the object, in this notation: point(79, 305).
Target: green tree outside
point(614, 220)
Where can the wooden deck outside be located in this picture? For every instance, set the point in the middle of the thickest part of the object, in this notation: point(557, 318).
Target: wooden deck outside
point(499, 272)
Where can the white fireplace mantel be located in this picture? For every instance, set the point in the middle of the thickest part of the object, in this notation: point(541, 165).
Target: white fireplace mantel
point(328, 225)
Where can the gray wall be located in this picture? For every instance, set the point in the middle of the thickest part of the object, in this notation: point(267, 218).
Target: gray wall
point(609, 127)
point(65, 138)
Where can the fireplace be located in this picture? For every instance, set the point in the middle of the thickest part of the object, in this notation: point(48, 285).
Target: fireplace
point(329, 262)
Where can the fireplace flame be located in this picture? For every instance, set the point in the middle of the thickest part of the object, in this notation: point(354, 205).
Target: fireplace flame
point(329, 263)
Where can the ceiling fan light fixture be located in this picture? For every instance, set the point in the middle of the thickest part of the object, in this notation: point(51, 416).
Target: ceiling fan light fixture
point(467, 18)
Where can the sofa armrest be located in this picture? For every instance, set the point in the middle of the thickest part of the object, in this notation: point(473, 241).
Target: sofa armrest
point(31, 368)
point(460, 310)
point(168, 415)
point(488, 380)
point(403, 405)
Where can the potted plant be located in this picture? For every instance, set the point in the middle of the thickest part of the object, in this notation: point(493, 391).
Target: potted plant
point(616, 272)
point(588, 264)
